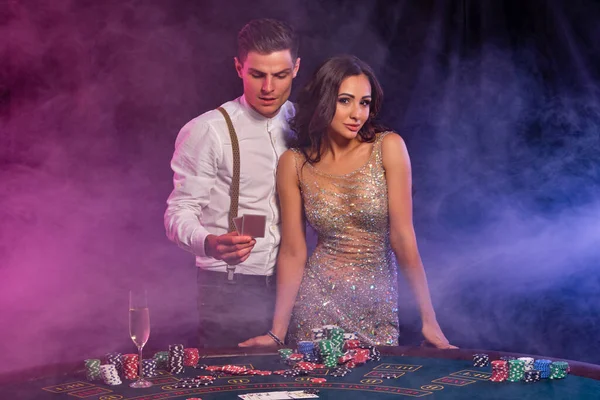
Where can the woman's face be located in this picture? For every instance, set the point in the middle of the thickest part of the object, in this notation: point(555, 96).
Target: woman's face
point(352, 107)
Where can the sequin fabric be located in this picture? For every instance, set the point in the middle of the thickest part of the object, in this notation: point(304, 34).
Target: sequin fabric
point(350, 280)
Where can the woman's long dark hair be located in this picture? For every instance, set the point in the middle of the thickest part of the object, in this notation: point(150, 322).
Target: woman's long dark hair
point(317, 103)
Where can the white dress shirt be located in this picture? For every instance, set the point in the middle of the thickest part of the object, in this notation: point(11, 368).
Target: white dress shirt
point(203, 168)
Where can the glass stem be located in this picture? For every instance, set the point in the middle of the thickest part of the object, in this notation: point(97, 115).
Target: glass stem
point(140, 376)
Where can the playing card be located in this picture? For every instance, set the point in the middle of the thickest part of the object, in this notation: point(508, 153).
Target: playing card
point(254, 225)
point(299, 394)
point(238, 224)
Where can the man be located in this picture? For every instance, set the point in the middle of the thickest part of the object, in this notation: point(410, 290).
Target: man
point(236, 289)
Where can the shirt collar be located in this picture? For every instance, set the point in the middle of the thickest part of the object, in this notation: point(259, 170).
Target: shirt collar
point(256, 115)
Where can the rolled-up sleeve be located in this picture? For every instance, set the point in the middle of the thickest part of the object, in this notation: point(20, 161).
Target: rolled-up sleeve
point(198, 151)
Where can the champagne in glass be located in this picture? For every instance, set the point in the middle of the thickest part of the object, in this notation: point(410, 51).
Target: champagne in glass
point(139, 329)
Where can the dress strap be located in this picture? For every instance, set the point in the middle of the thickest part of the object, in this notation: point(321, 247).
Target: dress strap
point(298, 158)
point(377, 145)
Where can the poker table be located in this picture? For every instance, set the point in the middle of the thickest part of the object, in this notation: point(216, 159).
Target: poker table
point(402, 372)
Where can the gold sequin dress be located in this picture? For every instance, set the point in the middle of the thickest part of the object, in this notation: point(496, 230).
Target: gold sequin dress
point(350, 280)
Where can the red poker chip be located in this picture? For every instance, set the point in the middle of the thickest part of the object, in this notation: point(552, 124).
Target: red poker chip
point(205, 377)
point(318, 380)
point(279, 372)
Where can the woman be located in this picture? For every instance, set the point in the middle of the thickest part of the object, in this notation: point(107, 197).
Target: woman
point(353, 183)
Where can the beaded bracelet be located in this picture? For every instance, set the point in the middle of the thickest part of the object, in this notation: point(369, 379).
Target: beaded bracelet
point(275, 338)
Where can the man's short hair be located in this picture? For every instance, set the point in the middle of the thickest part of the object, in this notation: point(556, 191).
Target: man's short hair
point(266, 36)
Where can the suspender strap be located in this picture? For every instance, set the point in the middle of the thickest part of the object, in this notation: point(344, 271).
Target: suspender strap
point(235, 179)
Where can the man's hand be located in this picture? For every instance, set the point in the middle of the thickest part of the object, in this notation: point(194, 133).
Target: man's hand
point(230, 247)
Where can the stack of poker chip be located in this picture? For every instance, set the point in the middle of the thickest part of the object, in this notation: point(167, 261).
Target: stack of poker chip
point(317, 333)
point(337, 338)
point(285, 353)
point(109, 374)
point(327, 331)
point(499, 371)
point(481, 360)
point(175, 361)
point(149, 367)
point(130, 366)
point(329, 353)
point(350, 344)
point(162, 359)
point(528, 362)
point(558, 369)
point(532, 375)
point(307, 349)
point(117, 360)
point(544, 367)
point(516, 370)
point(92, 369)
point(190, 357)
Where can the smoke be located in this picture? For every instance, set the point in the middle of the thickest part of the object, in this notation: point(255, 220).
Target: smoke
point(92, 95)
point(507, 196)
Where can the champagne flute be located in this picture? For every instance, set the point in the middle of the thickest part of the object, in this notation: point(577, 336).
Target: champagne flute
point(139, 329)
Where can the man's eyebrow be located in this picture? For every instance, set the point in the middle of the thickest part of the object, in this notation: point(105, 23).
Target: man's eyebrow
point(255, 71)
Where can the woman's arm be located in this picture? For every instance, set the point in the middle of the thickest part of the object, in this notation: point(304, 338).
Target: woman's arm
point(396, 163)
point(292, 251)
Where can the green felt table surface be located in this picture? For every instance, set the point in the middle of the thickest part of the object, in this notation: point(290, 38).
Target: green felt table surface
point(400, 374)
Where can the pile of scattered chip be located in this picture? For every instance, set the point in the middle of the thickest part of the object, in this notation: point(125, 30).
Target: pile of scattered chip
point(193, 383)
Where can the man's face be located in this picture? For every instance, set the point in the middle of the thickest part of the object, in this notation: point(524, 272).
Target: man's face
point(267, 79)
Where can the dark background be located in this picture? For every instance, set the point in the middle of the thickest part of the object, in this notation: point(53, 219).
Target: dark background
point(498, 102)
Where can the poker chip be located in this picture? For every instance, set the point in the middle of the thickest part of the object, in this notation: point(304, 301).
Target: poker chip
point(285, 353)
point(516, 370)
point(339, 372)
point(532, 375)
point(311, 391)
point(175, 359)
point(558, 369)
point(528, 362)
point(92, 369)
point(543, 366)
point(318, 380)
point(130, 366)
point(193, 383)
point(481, 360)
point(117, 360)
point(499, 371)
point(149, 367)
point(191, 357)
point(109, 374)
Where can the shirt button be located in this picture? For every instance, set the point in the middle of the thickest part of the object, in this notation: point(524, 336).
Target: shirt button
point(273, 227)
